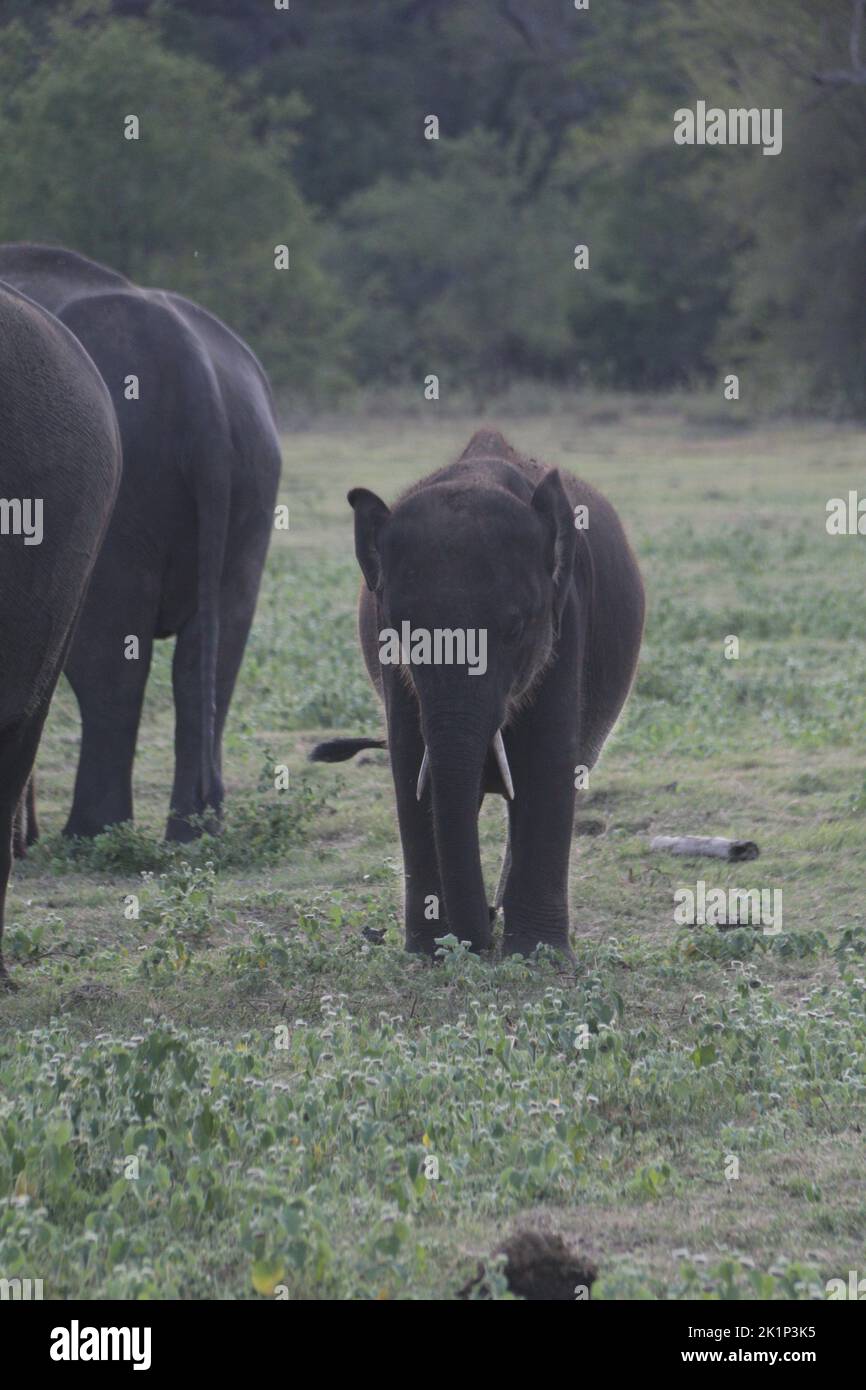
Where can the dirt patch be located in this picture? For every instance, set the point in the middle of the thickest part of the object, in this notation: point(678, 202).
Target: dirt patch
point(541, 1268)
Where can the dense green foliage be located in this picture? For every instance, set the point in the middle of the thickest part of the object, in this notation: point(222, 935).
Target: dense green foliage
point(409, 255)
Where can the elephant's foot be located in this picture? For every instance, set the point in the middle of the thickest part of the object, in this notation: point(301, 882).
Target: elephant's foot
point(418, 946)
point(422, 934)
point(183, 830)
point(428, 946)
point(532, 923)
point(525, 940)
point(425, 943)
point(21, 844)
point(180, 831)
point(84, 828)
point(527, 946)
point(421, 941)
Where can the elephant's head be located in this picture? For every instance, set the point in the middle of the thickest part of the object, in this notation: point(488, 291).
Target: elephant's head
point(491, 572)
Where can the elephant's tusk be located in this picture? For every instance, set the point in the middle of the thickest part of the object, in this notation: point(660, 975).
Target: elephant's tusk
point(502, 763)
point(423, 774)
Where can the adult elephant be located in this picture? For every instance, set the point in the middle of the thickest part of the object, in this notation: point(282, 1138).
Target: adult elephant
point(537, 562)
point(185, 549)
point(59, 473)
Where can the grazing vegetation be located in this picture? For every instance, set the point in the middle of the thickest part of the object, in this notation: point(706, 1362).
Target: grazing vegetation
point(238, 1091)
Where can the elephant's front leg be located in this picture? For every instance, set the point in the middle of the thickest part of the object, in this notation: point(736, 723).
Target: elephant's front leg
point(542, 753)
point(424, 903)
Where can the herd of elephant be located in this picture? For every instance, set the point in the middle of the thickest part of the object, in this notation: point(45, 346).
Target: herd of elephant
point(142, 433)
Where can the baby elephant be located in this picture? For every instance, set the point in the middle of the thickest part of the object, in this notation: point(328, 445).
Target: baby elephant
point(59, 474)
point(500, 624)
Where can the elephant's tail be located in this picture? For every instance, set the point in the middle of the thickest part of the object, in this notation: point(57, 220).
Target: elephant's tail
point(213, 501)
point(337, 750)
point(208, 457)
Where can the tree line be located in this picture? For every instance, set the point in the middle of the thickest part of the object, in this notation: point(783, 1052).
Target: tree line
point(307, 127)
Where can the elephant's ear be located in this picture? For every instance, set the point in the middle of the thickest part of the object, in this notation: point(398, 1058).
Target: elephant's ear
point(551, 505)
point(370, 516)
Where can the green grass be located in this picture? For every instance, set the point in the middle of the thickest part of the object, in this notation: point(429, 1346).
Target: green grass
point(213, 1019)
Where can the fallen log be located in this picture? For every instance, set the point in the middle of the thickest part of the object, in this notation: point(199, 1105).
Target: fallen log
point(715, 846)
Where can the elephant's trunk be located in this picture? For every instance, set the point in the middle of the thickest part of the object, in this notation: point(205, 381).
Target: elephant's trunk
point(456, 764)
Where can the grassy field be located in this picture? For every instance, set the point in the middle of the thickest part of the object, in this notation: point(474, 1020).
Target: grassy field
point(236, 1094)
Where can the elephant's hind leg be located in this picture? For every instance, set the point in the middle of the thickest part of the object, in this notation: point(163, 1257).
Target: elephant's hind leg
point(17, 752)
point(194, 806)
point(110, 694)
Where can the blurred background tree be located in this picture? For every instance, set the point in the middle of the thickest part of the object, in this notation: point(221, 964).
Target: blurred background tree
point(797, 316)
point(262, 126)
point(196, 204)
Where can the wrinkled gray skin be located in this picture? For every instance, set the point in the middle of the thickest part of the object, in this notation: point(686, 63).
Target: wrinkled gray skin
point(58, 442)
point(185, 549)
point(490, 542)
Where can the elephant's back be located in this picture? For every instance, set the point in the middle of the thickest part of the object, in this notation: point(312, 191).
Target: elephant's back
point(53, 275)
